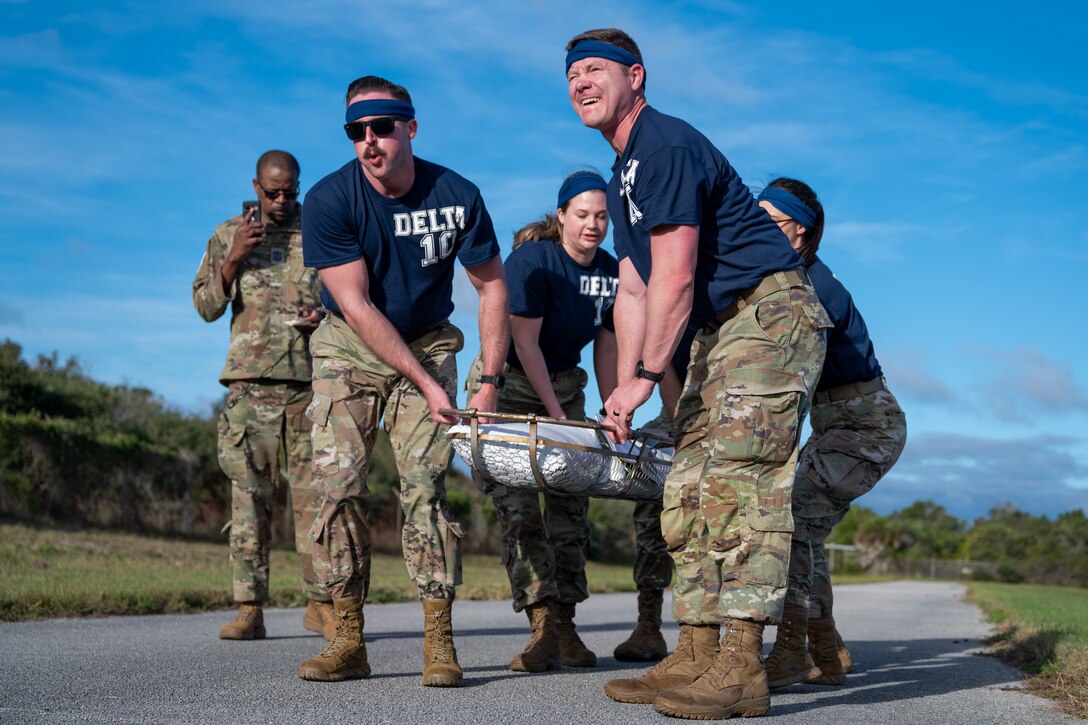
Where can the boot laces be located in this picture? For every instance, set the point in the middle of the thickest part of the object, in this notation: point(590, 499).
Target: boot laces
point(728, 657)
point(441, 641)
point(726, 660)
point(334, 647)
point(684, 651)
point(536, 630)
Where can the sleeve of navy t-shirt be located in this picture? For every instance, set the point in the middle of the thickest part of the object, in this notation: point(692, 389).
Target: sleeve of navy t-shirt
point(619, 246)
point(670, 189)
point(832, 294)
point(478, 242)
point(527, 281)
point(610, 266)
point(609, 321)
point(329, 237)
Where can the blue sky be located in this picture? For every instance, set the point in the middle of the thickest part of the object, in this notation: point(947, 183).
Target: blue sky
point(948, 142)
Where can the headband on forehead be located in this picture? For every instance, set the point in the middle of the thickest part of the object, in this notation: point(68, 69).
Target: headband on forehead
point(379, 107)
point(789, 205)
point(575, 184)
point(600, 49)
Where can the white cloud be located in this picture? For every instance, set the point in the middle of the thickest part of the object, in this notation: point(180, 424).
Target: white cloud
point(1028, 383)
point(969, 475)
point(908, 377)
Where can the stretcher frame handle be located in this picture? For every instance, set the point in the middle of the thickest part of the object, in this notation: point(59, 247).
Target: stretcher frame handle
point(533, 420)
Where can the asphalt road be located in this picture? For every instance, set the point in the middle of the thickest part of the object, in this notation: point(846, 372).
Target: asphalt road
point(913, 645)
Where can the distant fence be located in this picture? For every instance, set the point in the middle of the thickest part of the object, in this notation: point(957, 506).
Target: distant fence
point(844, 559)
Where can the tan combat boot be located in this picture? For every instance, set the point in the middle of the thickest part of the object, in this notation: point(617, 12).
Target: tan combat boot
point(694, 653)
point(646, 643)
point(572, 650)
point(845, 658)
point(321, 617)
point(824, 646)
point(248, 623)
point(789, 661)
point(542, 652)
point(344, 658)
point(735, 683)
point(440, 667)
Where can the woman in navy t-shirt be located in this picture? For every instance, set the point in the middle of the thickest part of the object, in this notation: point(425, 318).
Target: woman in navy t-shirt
point(858, 432)
point(562, 286)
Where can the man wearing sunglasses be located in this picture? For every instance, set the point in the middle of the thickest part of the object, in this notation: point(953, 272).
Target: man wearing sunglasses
point(384, 231)
point(254, 264)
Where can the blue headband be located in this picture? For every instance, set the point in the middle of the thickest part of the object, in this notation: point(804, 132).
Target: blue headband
point(789, 205)
point(575, 184)
point(379, 107)
point(599, 49)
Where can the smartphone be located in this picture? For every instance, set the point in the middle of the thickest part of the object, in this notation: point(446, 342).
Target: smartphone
point(247, 205)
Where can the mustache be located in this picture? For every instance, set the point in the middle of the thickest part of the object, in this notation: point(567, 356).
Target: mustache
point(372, 151)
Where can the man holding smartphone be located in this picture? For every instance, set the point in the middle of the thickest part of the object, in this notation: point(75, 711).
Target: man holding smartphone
point(254, 264)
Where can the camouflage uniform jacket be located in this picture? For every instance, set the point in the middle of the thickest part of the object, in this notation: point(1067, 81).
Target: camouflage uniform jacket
point(265, 296)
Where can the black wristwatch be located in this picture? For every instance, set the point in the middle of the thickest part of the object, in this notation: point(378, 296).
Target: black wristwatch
point(497, 380)
point(641, 372)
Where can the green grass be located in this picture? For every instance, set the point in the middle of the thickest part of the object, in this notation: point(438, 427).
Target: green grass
point(1043, 631)
point(49, 572)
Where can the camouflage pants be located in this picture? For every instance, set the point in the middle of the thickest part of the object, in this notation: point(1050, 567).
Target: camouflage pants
point(854, 443)
point(353, 389)
point(259, 420)
point(653, 565)
point(544, 553)
point(726, 517)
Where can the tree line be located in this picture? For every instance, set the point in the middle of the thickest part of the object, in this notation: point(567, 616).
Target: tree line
point(79, 452)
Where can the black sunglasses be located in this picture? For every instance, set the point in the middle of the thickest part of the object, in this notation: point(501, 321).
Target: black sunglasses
point(274, 194)
point(381, 127)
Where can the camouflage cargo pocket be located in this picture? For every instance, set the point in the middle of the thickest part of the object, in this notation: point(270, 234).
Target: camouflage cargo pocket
point(325, 461)
point(817, 315)
point(680, 513)
point(452, 533)
point(232, 448)
point(759, 416)
point(766, 557)
point(762, 414)
point(318, 409)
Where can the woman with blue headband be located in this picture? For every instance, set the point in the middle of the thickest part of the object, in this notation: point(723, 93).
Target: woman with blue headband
point(562, 285)
point(858, 432)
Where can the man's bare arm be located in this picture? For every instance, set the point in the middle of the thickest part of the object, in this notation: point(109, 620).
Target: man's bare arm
point(669, 294)
point(629, 313)
point(350, 287)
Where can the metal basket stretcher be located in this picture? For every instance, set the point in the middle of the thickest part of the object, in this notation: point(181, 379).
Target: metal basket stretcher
point(569, 457)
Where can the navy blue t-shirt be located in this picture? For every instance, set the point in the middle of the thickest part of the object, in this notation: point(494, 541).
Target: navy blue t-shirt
point(574, 301)
point(669, 173)
point(408, 243)
point(850, 356)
